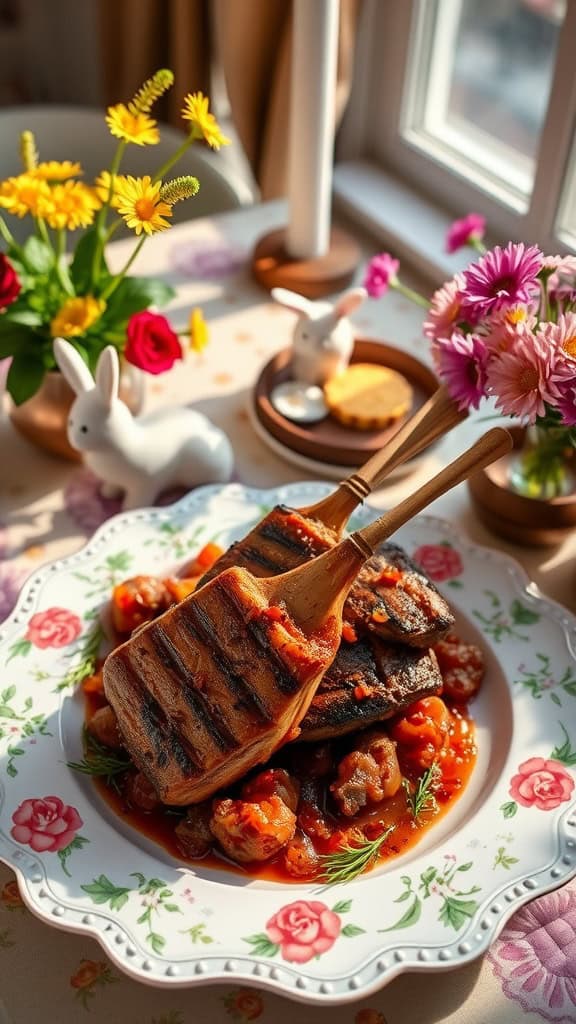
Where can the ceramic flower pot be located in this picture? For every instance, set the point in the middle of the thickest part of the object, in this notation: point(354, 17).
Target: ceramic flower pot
point(533, 521)
point(43, 418)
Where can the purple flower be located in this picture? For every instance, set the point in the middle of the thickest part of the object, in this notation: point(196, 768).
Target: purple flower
point(465, 232)
point(381, 274)
point(501, 278)
point(11, 581)
point(85, 504)
point(535, 957)
point(461, 362)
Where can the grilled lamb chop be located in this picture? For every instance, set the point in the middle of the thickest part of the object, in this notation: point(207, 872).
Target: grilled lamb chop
point(391, 597)
point(221, 648)
point(367, 682)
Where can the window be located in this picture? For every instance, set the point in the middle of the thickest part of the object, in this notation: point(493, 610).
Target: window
point(474, 105)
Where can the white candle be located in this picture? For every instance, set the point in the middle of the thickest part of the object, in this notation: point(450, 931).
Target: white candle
point(313, 90)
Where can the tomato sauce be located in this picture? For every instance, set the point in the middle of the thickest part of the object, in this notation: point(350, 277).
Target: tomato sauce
point(456, 761)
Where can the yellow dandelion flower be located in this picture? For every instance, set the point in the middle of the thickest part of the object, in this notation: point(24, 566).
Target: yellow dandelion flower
point(56, 170)
point(132, 126)
point(76, 316)
point(102, 187)
point(199, 335)
point(70, 205)
point(23, 194)
point(204, 124)
point(141, 206)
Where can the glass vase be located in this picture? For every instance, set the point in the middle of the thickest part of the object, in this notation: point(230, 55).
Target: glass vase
point(544, 466)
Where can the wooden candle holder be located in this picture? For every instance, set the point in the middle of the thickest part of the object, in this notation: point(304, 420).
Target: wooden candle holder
point(273, 267)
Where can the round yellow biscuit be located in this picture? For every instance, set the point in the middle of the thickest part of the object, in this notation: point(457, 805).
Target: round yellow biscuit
point(368, 397)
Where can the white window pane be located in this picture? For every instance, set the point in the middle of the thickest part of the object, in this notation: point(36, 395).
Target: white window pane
point(480, 81)
point(566, 226)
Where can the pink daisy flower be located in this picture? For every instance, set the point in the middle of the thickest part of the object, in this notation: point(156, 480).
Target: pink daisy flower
point(566, 403)
point(505, 327)
point(561, 337)
point(461, 362)
point(501, 278)
point(565, 265)
point(444, 309)
point(465, 232)
point(381, 274)
point(521, 378)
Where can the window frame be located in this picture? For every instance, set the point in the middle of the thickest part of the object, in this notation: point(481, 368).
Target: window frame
point(371, 137)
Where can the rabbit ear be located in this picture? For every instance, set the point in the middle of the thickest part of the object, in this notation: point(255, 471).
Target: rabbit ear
point(292, 300)
point(108, 374)
point(72, 366)
point(349, 301)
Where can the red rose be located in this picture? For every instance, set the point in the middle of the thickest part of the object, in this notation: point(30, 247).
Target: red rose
point(88, 973)
point(542, 784)
point(439, 561)
point(152, 344)
point(303, 930)
point(47, 825)
point(56, 627)
point(9, 284)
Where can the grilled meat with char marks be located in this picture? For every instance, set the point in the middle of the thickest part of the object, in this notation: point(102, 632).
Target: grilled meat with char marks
point(391, 596)
point(367, 682)
point(213, 687)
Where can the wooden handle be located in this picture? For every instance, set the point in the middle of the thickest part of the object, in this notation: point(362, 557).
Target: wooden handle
point(493, 445)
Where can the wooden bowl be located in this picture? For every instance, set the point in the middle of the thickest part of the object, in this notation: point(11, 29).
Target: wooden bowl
point(328, 440)
point(528, 521)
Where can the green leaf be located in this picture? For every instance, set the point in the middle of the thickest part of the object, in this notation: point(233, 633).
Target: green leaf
point(24, 376)
point(156, 941)
point(38, 257)
point(410, 917)
point(351, 930)
point(342, 907)
point(566, 754)
point(19, 649)
point(81, 266)
point(16, 339)
point(135, 294)
point(522, 615)
point(7, 694)
point(6, 712)
point(171, 908)
point(261, 945)
point(509, 809)
point(428, 876)
point(466, 866)
point(102, 890)
point(555, 699)
point(27, 317)
point(454, 913)
point(11, 771)
point(405, 896)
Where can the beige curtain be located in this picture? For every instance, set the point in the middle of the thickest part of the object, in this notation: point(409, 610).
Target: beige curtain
point(251, 39)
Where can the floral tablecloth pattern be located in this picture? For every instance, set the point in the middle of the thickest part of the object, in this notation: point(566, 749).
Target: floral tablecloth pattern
point(49, 508)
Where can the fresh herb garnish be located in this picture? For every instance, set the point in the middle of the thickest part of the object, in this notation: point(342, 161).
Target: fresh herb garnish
point(421, 800)
point(351, 860)
point(100, 761)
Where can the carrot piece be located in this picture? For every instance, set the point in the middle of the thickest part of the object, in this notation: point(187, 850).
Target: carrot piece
point(94, 683)
point(180, 588)
point(349, 633)
point(389, 577)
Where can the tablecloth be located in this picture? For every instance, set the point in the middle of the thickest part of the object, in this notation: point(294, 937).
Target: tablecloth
point(49, 508)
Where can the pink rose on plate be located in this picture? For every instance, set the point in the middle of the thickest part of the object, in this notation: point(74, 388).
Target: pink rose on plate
point(439, 561)
point(303, 930)
point(541, 783)
point(56, 627)
point(47, 825)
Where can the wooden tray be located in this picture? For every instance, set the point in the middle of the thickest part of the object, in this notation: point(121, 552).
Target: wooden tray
point(328, 440)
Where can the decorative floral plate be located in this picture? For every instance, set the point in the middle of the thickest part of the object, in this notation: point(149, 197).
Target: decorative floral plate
point(510, 837)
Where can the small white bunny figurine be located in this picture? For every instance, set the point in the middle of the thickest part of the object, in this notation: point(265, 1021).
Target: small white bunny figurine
point(323, 335)
point(139, 456)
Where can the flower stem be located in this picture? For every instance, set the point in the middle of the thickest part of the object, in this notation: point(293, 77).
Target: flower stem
point(8, 236)
point(119, 277)
point(409, 293)
point(101, 218)
point(173, 159)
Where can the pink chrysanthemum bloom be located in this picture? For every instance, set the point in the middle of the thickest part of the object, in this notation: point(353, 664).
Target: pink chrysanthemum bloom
point(521, 378)
point(501, 278)
point(460, 361)
point(465, 232)
point(444, 309)
point(566, 403)
point(381, 274)
point(561, 264)
point(561, 337)
point(503, 328)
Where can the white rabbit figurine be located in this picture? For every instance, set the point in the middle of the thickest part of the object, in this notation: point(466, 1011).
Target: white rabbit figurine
point(323, 335)
point(140, 456)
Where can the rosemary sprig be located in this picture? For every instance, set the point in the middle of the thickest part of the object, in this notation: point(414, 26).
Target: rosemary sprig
point(100, 761)
point(351, 860)
point(421, 800)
